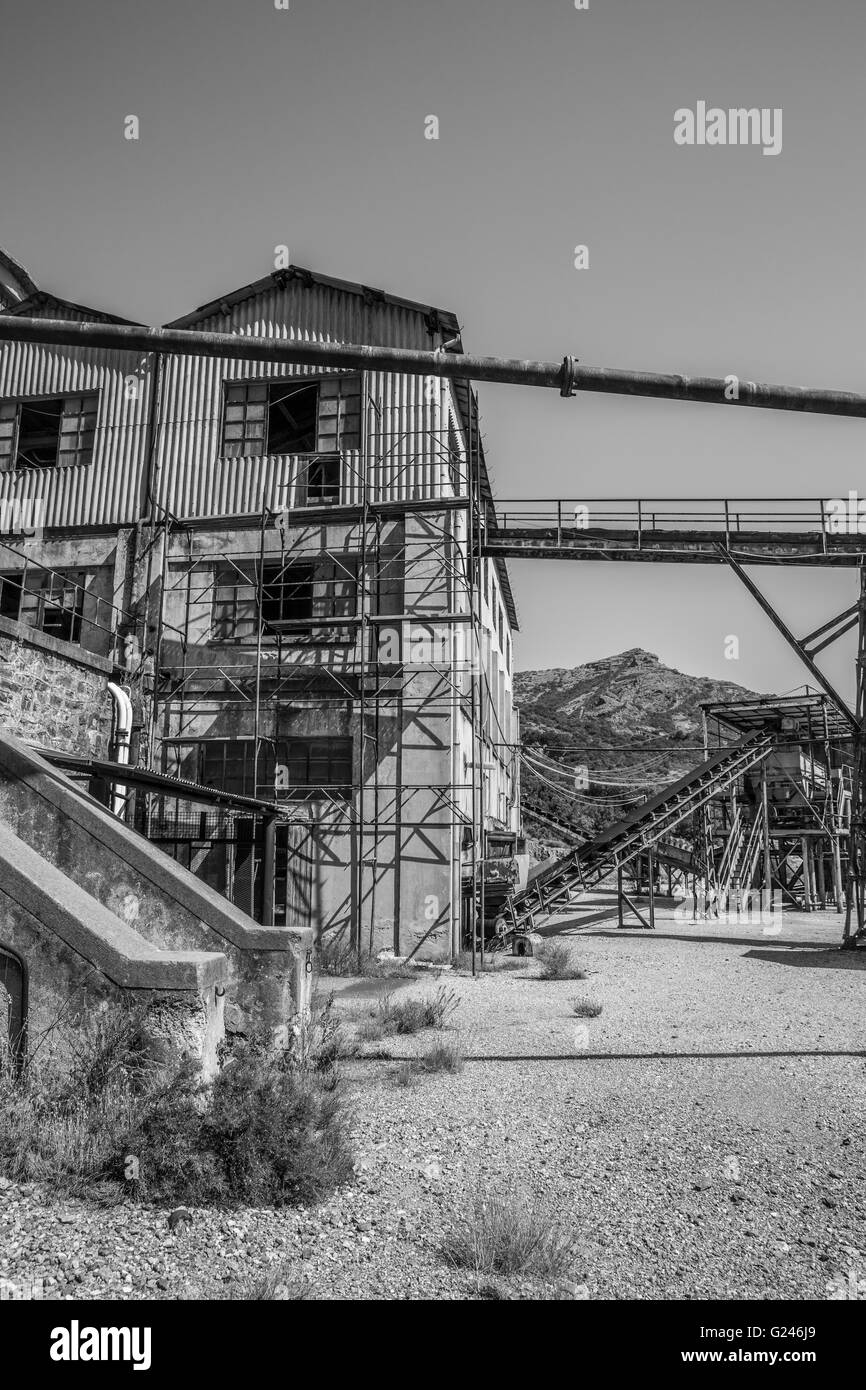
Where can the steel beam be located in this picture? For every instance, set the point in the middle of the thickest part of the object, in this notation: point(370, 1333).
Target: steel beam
point(789, 637)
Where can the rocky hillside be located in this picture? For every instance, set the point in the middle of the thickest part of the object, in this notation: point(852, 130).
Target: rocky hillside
point(634, 723)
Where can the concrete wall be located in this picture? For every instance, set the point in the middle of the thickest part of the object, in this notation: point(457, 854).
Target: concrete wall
point(142, 888)
point(81, 966)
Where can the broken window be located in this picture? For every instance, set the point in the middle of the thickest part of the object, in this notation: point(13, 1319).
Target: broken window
point(10, 596)
point(294, 593)
point(287, 594)
point(47, 433)
point(38, 434)
point(45, 600)
point(278, 417)
point(323, 481)
point(292, 417)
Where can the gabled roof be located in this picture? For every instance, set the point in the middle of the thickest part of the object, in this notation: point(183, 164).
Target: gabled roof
point(440, 322)
point(438, 319)
point(42, 299)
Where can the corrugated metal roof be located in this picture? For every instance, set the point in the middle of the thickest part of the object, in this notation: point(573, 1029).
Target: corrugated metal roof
point(14, 278)
point(440, 319)
point(42, 299)
point(436, 322)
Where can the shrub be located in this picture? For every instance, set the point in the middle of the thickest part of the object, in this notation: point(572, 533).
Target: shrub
point(64, 1127)
point(338, 956)
point(371, 1029)
point(586, 1008)
point(555, 963)
point(280, 1284)
point(406, 1074)
point(446, 1054)
point(505, 1235)
point(328, 1041)
point(413, 1015)
point(266, 1133)
point(270, 1129)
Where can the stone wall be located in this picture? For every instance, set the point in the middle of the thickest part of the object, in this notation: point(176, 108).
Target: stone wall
point(53, 694)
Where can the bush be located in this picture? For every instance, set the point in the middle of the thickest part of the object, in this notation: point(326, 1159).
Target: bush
point(413, 1015)
point(555, 963)
point(64, 1127)
point(406, 1074)
point(392, 1018)
point(501, 1234)
point(280, 1284)
point(445, 1055)
point(328, 1042)
point(265, 1133)
point(339, 957)
point(586, 1008)
point(270, 1129)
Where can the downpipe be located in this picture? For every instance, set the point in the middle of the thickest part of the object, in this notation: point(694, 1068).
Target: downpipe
point(120, 740)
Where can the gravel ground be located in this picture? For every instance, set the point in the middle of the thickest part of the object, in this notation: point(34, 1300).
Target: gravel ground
point(702, 1138)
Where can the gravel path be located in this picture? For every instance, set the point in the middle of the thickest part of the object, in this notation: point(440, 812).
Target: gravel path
point(703, 1138)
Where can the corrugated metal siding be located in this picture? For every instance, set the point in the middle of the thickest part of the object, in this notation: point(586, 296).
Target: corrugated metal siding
point(405, 432)
point(105, 491)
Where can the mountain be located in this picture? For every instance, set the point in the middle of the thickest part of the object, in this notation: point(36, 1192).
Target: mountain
point(634, 723)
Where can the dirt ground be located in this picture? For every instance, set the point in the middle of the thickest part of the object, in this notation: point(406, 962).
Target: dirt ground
point(702, 1137)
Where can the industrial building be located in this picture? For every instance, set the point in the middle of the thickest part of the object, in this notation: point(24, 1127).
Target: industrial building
point(279, 571)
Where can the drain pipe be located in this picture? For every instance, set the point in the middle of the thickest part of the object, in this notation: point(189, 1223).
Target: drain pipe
point(120, 742)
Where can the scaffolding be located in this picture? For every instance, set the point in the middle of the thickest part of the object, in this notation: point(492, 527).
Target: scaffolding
point(569, 378)
point(381, 629)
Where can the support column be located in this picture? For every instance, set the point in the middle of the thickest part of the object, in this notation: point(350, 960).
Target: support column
point(805, 852)
point(767, 889)
point(821, 887)
point(854, 925)
point(837, 865)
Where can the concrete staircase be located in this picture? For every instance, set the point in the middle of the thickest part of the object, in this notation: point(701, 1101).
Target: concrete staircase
point(94, 918)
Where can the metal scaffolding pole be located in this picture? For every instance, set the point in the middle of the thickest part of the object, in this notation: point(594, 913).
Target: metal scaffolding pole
point(854, 931)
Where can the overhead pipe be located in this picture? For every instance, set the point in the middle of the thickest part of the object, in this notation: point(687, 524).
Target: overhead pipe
point(120, 742)
point(566, 376)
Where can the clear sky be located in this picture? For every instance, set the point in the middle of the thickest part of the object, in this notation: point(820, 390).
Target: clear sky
point(305, 126)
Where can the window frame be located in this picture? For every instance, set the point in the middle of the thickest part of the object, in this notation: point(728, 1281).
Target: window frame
point(340, 753)
point(86, 418)
point(320, 628)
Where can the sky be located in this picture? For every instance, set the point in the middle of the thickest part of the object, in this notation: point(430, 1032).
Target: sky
point(305, 126)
